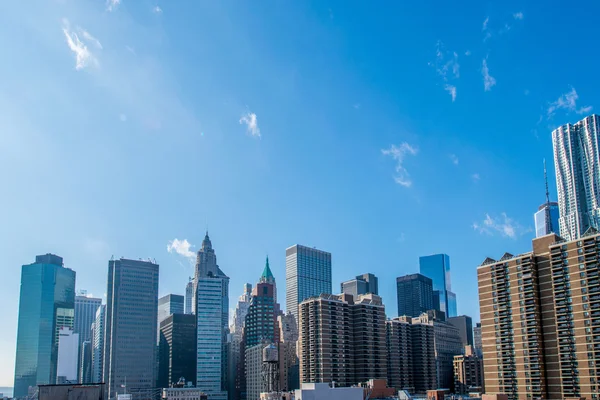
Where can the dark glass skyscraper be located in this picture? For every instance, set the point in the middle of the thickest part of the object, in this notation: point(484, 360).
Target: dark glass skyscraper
point(47, 296)
point(437, 267)
point(131, 313)
point(177, 349)
point(415, 295)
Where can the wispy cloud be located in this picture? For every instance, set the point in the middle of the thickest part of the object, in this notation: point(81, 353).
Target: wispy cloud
point(181, 247)
point(518, 15)
point(398, 153)
point(453, 158)
point(475, 177)
point(112, 5)
point(468, 53)
point(488, 81)
point(251, 122)
point(157, 10)
point(452, 90)
point(488, 32)
point(502, 225)
point(567, 102)
point(447, 67)
point(485, 29)
point(83, 56)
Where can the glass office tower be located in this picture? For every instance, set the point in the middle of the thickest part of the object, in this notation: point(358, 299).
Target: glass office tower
point(437, 268)
point(577, 164)
point(546, 219)
point(47, 295)
point(307, 274)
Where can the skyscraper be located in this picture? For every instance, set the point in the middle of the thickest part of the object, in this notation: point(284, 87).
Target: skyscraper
point(577, 164)
point(189, 296)
point(307, 274)
point(211, 306)
point(85, 362)
point(414, 293)
point(84, 316)
point(237, 331)
point(546, 218)
point(177, 349)
point(464, 324)
point(131, 313)
point(477, 345)
point(437, 267)
point(362, 284)
point(168, 305)
point(68, 356)
point(47, 294)
point(98, 345)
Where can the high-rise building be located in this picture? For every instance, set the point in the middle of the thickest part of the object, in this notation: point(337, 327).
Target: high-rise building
point(177, 350)
point(464, 324)
point(168, 305)
point(447, 345)
point(189, 296)
point(437, 267)
point(415, 294)
point(362, 284)
point(47, 295)
point(307, 274)
point(130, 337)
point(236, 366)
point(211, 300)
point(98, 345)
point(477, 345)
point(84, 316)
point(288, 358)
point(85, 362)
point(544, 308)
point(342, 339)
point(546, 218)
point(68, 356)
point(468, 373)
point(577, 164)
point(410, 355)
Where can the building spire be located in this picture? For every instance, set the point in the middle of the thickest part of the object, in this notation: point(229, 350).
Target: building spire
point(267, 275)
point(546, 180)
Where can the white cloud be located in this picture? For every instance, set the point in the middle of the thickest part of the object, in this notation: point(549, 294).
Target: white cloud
point(83, 56)
point(454, 159)
point(111, 5)
point(475, 177)
point(452, 90)
point(488, 80)
point(447, 67)
point(157, 10)
point(252, 123)
point(485, 29)
point(181, 247)
point(502, 225)
point(398, 154)
point(567, 102)
point(518, 15)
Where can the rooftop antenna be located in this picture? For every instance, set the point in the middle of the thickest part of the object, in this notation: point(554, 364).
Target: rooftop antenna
point(548, 218)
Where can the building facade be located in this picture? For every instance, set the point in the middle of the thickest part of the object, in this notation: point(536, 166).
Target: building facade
point(342, 340)
point(211, 300)
point(307, 274)
point(468, 373)
point(177, 350)
point(130, 325)
point(189, 296)
point(98, 345)
point(464, 324)
point(577, 165)
point(168, 305)
point(546, 219)
point(83, 318)
point(68, 356)
point(437, 268)
point(477, 345)
point(362, 284)
point(85, 362)
point(47, 295)
point(236, 358)
point(415, 294)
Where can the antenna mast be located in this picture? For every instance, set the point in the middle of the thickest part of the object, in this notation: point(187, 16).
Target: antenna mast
point(548, 218)
point(546, 180)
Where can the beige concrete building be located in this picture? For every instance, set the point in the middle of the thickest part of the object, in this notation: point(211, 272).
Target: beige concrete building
point(468, 372)
point(341, 339)
point(540, 319)
point(411, 355)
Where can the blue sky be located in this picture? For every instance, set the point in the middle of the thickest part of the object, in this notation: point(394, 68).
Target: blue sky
point(378, 132)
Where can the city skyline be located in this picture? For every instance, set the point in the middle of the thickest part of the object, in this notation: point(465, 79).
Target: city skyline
point(350, 140)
